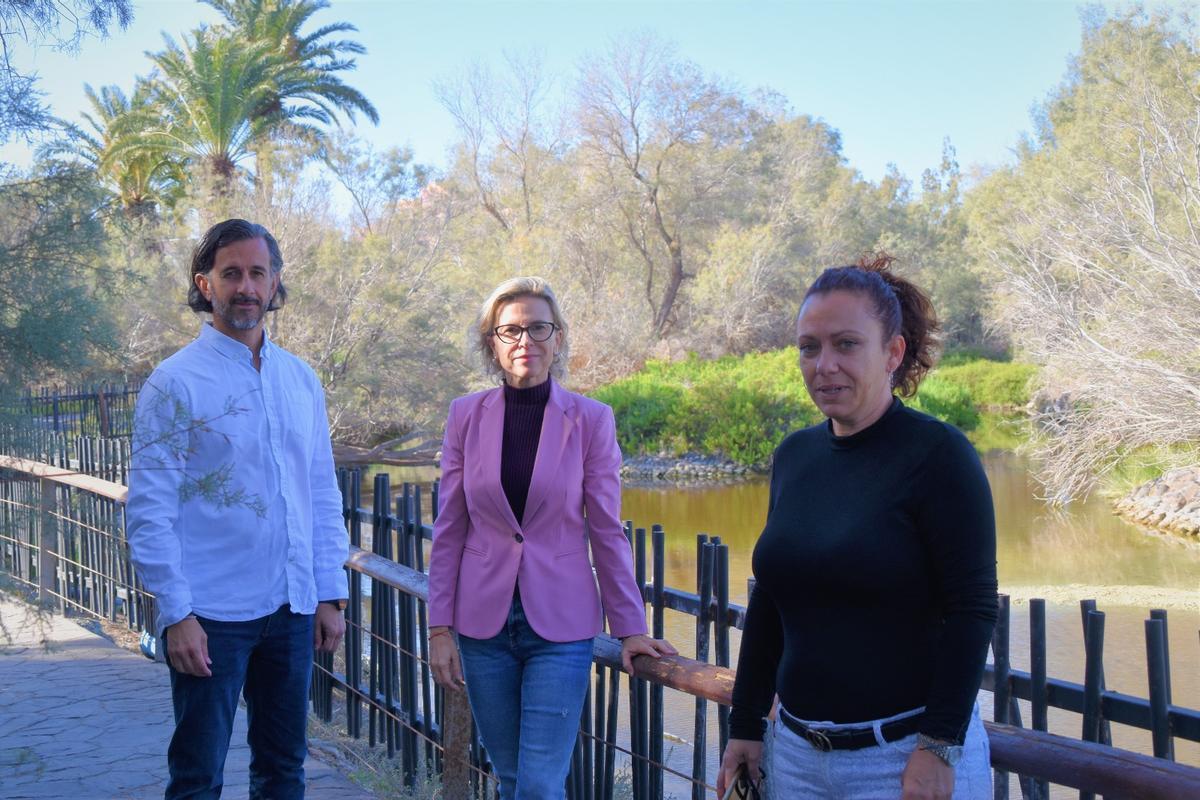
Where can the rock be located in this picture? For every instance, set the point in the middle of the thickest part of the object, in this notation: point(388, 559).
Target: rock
point(688, 468)
point(1169, 503)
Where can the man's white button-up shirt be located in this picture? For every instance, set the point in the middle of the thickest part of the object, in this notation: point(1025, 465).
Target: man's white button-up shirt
point(233, 505)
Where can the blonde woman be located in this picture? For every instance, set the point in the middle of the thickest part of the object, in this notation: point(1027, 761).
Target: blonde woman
point(530, 503)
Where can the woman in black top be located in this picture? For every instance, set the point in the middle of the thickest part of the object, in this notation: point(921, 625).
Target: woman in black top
point(875, 593)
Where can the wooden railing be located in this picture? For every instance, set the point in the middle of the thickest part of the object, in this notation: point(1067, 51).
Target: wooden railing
point(62, 535)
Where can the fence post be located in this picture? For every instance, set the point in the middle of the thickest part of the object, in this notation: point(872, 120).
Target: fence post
point(47, 540)
point(1156, 668)
point(1093, 682)
point(1037, 678)
point(1001, 686)
point(102, 408)
point(456, 744)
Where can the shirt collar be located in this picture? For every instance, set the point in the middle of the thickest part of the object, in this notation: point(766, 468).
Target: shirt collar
point(232, 348)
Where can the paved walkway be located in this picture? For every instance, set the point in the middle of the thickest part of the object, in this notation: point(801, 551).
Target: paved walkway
point(83, 719)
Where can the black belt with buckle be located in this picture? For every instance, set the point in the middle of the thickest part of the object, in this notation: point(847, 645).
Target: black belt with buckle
point(825, 739)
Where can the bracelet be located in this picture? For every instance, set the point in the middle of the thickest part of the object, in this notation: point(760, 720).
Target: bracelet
point(443, 631)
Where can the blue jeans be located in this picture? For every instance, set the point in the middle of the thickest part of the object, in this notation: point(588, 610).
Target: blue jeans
point(269, 660)
point(527, 695)
point(797, 769)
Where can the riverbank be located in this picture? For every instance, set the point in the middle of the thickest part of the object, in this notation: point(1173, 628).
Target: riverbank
point(690, 468)
point(1139, 597)
point(1169, 503)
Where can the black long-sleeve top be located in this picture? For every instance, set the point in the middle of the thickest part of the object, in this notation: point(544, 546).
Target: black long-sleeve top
point(875, 579)
point(523, 413)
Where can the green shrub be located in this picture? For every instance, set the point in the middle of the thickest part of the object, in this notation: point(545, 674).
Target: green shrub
point(991, 383)
point(946, 400)
point(740, 407)
point(741, 422)
point(964, 355)
point(643, 408)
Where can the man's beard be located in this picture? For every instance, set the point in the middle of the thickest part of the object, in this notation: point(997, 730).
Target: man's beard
point(238, 317)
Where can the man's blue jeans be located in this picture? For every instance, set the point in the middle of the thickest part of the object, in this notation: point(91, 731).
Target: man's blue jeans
point(527, 694)
point(269, 660)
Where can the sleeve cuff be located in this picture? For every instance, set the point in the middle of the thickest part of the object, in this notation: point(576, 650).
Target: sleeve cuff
point(744, 726)
point(169, 616)
point(333, 585)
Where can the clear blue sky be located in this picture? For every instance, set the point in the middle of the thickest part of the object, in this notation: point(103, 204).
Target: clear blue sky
point(894, 78)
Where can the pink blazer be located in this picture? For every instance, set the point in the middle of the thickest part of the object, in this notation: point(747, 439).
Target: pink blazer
point(481, 552)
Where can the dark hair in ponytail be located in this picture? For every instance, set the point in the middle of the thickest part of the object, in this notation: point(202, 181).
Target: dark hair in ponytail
point(901, 308)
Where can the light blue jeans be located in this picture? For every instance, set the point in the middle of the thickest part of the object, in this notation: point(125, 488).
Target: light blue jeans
point(797, 769)
point(527, 696)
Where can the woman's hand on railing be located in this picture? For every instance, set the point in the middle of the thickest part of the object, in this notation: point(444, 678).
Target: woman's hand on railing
point(443, 657)
point(738, 752)
point(187, 648)
point(642, 645)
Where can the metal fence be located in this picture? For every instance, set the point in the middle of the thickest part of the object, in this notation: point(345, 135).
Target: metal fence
point(62, 535)
point(104, 410)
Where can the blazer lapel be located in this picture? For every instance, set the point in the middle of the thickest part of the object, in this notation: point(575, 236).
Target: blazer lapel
point(491, 437)
point(557, 424)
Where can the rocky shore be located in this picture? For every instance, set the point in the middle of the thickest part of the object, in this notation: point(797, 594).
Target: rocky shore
point(689, 468)
point(1169, 503)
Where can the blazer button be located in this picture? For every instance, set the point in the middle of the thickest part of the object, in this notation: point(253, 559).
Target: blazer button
point(518, 537)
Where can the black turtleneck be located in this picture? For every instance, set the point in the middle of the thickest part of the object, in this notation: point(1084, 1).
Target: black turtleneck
point(875, 578)
point(523, 412)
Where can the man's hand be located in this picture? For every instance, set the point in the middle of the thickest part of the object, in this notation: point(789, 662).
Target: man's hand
point(444, 658)
point(187, 648)
point(328, 628)
point(926, 777)
point(738, 752)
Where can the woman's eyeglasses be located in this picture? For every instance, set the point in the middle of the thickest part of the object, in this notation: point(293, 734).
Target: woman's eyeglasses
point(537, 332)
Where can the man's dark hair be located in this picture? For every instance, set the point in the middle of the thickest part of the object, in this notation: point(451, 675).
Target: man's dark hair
point(227, 233)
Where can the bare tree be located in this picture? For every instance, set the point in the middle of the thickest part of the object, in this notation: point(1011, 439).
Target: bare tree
point(665, 141)
point(506, 133)
point(1100, 260)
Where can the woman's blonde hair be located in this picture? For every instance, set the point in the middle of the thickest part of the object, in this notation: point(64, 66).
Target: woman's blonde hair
point(509, 290)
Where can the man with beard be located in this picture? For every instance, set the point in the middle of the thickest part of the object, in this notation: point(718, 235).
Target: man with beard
point(235, 525)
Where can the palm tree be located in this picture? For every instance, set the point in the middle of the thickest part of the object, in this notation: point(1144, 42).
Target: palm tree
point(141, 179)
point(229, 90)
point(314, 60)
point(209, 92)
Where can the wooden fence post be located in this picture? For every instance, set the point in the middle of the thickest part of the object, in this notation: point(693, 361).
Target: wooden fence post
point(47, 541)
point(102, 411)
point(456, 745)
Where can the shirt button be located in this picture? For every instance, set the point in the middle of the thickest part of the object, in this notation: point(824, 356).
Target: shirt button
point(518, 537)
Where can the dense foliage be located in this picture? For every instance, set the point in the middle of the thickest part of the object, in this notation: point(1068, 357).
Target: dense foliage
point(740, 407)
